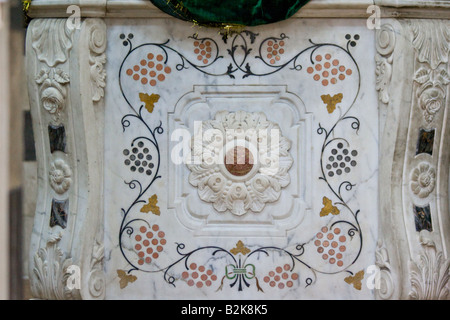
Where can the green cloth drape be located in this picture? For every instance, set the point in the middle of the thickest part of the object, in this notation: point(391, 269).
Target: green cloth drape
point(230, 12)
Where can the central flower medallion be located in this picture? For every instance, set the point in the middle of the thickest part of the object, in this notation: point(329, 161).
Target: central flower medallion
point(241, 162)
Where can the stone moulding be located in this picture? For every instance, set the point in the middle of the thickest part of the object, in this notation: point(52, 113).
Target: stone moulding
point(315, 9)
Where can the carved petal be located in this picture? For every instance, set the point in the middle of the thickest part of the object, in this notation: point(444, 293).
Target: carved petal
point(422, 75)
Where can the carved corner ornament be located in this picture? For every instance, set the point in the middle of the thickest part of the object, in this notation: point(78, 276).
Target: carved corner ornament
point(430, 275)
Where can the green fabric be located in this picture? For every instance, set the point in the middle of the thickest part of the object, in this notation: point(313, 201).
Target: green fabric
point(236, 12)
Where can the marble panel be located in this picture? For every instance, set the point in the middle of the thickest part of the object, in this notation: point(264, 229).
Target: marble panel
point(296, 218)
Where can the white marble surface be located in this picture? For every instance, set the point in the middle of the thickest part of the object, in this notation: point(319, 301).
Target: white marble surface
point(291, 98)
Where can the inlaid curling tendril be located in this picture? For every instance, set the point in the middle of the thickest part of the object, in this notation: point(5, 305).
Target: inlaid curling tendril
point(141, 239)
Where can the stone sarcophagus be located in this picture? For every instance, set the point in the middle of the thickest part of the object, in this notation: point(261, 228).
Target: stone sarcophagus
point(304, 159)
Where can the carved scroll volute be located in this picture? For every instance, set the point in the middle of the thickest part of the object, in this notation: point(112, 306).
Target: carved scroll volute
point(66, 80)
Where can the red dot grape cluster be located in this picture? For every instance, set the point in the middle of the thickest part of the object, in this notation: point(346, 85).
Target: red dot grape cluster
point(281, 277)
point(328, 70)
point(331, 245)
point(274, 51)
point(203, 51)
point(150, 70)
point(149, 243)
point(199, 276)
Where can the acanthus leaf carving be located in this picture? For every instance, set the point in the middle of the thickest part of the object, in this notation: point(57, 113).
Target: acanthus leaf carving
point(430, 276)
point(50, 275)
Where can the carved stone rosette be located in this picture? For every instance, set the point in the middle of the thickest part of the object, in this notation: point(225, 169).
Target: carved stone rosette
point(239, 168)
point(413, 83)
point(66, 80)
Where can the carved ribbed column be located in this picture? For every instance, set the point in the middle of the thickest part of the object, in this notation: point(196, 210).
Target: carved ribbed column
point(66, 77)
point(413, 84)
